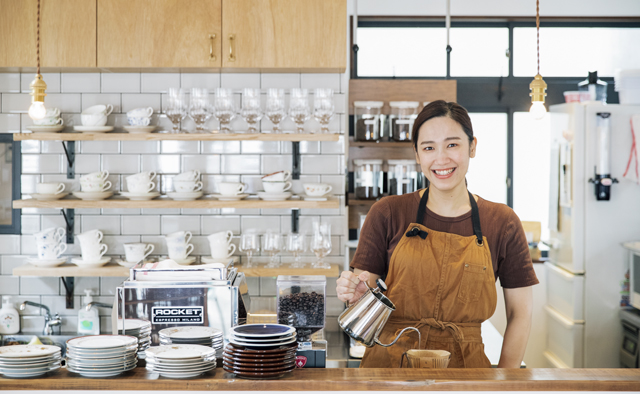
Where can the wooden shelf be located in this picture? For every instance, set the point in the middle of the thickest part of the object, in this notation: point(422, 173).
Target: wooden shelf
point(173, 137)
point(380, 144)
point(286, 270)
point(206, 203)
point(366, 203)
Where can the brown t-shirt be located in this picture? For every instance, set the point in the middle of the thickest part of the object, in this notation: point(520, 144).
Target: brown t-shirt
point(388, 219)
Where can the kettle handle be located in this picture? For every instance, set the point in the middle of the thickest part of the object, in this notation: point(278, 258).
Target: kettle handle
point(377, 341)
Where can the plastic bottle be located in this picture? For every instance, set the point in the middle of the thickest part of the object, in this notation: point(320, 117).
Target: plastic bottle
point(9, 317)
point(596, 88)
point(88, 320)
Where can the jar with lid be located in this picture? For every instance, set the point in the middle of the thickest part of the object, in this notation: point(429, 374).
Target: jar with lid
point(301, 303)
point(403, 176)
point(403, 114)
point(367, 120)
point(368, 179)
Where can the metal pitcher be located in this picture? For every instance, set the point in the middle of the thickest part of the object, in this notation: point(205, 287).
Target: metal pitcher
point(364, 319)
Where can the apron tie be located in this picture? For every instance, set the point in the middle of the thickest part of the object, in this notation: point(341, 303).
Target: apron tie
point(416, 231)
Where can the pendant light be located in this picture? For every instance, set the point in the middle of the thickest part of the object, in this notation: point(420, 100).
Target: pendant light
point(38, 86)
point(538, 86)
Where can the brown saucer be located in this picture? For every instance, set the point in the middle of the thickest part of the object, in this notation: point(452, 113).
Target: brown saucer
point(257, 375)
point(246, 350)
point(258, 363)
point(258, 356)
point(253, 369)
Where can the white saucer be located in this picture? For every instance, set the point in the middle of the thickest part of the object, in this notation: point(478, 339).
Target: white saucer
point(48, 197)
point(211, 260)
point(237, 197)
point(316, 198)
point(90, 264)
point(46, 129)
point(274, 196)
point(129, 264)
point(185, 196)
point(47, 263)
point(139, 129)
point(188, 261)
point(140, 196)
point(93, 196)
point(93, 129)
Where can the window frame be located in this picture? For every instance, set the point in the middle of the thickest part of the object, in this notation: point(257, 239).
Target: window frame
point(16, 173)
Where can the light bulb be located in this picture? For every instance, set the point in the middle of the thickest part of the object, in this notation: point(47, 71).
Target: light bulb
point(37, 110)
point(538, 111)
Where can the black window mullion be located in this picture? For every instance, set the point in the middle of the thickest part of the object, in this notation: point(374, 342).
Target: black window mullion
point(16, 170)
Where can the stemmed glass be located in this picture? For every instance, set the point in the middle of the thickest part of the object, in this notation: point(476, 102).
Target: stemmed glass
point(273, 245)
point(251, 108)
point(299, 109)
point(249, 244)
point(176, 108)
point(296, 244)
point(323, 108)
point(321, 243)
point(224, 108)
point(274, 108)
point(200, 108)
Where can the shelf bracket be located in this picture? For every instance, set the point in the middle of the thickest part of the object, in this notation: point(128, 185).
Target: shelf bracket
point(69, 218)
point(295, 220)
point(295, 162)
point(68, 282)
point(70, 152)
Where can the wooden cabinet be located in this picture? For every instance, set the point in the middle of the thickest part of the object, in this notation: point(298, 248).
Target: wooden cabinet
point(159, 33)
point(284, 34)
point(67, 33)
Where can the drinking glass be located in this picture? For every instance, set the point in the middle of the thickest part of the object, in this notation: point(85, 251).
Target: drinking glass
point(176, 108)
point(200, 108)
point(274, 108)
point(272, 245)
point(299, 109)
point(224, 108)
point(321, 243)
point(323, 108)
point(251, 111)
point(296, 244)
point(249, 244)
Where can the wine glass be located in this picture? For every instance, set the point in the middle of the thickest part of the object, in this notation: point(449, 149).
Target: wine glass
point(321, 243)
point(200, 108)
point(176, 108)
point(299, 109)
point(224, 108)
point(251, 108)
point(274, 108)
point(296, 244)
point(249, 244)
point(273, 245)
point(323, 108)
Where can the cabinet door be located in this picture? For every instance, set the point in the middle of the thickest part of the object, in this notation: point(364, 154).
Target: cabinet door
point(285, 34)
point(159, 33)
point(67, 33)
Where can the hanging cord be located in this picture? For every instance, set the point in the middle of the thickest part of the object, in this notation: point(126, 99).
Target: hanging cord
point(537, 31)
point(38, 40)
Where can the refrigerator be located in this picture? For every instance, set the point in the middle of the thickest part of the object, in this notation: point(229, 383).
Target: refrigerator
point(587, 262)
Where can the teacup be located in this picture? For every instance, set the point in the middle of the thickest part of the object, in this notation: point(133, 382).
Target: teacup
point(50, 188)
point(178, 250)
point(187, 186)
point(317, 189)
point(140, 113)
point(138, 121)
point(183, 236)
point(95, 176)
point(93, 252)
point(52, 235)
point(145, 175)
point(96, 115)
point(231, 188)
point(95, 186)
point(136, 252)
point(91, 237)
point(52, 112)
point(49, 121)
point(139, 185)
point(187, 176)
point(51, 251)
point(276, 187)
point(279, 176)
point(220, 252)
point(221, 236)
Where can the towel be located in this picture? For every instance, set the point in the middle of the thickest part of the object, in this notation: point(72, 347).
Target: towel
point(632, 171)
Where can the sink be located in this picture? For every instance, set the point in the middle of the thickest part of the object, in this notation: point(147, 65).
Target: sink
point(23, 339)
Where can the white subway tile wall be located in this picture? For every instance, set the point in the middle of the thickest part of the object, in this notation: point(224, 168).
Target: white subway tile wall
point(218, 161)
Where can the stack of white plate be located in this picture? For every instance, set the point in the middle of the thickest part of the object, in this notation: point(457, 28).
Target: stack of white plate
point(28, 361)
point(257, 336)
point(100, 356)
point(180, 361)
point(193, 335)
point(140, 329)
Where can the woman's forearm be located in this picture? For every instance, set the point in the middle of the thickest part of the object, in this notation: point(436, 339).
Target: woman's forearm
point(514, 345)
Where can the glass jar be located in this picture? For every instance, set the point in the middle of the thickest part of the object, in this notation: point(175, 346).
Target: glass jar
point(403, 114)
point(301, 303)
point(403, 177)
point(367, 120)
point(368, 179)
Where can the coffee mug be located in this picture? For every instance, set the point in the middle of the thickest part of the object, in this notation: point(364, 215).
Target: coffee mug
point(145, 176)
point(49, 121)
point(136, 252)
point(138, 121)
point(50, 188)
point(181, 236)
point(52, 235)
point(90, 237)
point(51, 251)
point(179, 250)
point(140, 113)
point(187, 186)
point(95, 176)
point(96, 115)
point(89, 186)
point(276, 187)
point(231, 188)
point(187, 176)
point(93, 252)
point(279, 176)
point(139, 186)
point(218, 252)
point(317, 189)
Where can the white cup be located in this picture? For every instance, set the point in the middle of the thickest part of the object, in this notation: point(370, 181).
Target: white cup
point(98, 110)
point(138, 121)
point(52, 112)
point(279, 176)
point(52, 235)
point(47, 251)
point(317, 189)
point(96, 115)
point(93, 252)
point(222, 252)
point(178, 250)
point(231, 188)
point(99, 186)
point(187, 176)
point(95, 176)
point(50, 188)
point(136, 252)
point(187, 186)
point(136, 185)
point(276, 187)
point(49, 121)
point(140, 113)
point(221, 236)
point(91, 237)
point(181, 236)
point(145, 176)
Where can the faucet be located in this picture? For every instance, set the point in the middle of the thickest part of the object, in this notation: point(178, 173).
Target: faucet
point(97, 304)
point(49, 322)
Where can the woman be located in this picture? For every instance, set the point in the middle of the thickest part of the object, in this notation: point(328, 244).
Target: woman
point(440, 251)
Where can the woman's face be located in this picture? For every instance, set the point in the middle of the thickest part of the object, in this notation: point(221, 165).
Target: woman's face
point(443, 152)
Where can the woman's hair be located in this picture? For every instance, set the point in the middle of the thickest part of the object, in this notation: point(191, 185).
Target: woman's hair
point(436, 109)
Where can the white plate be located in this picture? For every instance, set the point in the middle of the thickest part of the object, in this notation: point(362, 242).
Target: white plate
point(140, 196)
point(262, 340)
point(48, 197)
point(134, 324)
point(98, 354)
point(93, 129)
point(230, 198)
point(100, 373)
point(27, 351)
point(180, 369)
point(31, 366)
point(102, 341)
point(311, 198)
point(257, 344)
point(185, 375)
point(139, 129)
point(188, 261)
point(274, 196)
point(46, 129)
point(211, 260)
point(185, 196)
point(31, 360)
point(190, 332)
point(47, 263)
point(180, 352)
point(262, 330)
point(93, 196)
point(90, 264)
point(128, 264)
point(28, 374)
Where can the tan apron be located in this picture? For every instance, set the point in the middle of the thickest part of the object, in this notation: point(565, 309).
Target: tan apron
point(442, 284)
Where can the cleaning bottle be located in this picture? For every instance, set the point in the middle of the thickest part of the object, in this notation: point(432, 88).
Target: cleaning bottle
point(88, 320)
point(9, 317)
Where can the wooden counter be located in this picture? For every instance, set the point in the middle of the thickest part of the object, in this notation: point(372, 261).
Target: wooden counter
point(344, 379)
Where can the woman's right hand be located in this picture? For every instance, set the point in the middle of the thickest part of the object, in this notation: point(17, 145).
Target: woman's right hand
point(351, 286)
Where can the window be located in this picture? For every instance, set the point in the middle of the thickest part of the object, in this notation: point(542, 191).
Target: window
point(10, 182)
point(479, 52)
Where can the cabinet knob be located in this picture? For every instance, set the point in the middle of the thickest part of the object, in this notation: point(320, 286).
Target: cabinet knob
point(212, 57)
point(232, 44)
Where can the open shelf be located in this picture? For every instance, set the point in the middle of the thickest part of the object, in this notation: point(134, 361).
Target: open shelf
point(380, 144)
point(173, 137)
